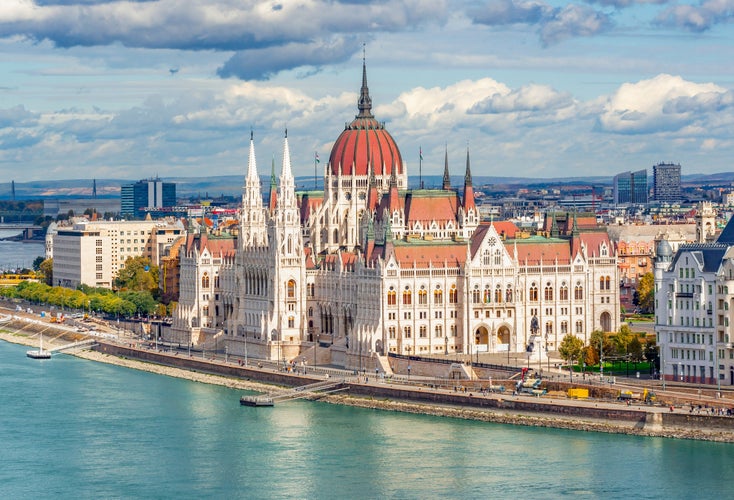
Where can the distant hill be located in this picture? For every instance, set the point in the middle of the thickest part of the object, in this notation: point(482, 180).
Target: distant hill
point(230, 185)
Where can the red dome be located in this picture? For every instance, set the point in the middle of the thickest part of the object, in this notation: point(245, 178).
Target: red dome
point(365, 142)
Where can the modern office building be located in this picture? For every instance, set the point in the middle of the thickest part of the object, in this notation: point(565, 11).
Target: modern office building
point(145, 196)
point(630, 188)
point(666, 182)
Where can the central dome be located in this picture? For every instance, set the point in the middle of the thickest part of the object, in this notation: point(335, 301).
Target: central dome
point(365, 142)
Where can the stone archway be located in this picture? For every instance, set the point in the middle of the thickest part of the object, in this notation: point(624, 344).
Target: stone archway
point(503, 334)
point(481, 339)
point(606, 321)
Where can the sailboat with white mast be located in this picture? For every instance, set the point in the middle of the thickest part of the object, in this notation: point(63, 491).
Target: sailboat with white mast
point(40, 353)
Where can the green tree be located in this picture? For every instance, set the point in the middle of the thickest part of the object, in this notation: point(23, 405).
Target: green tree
point(37, 263)
point(646, 293)
point(634, 348)
point(622, 339)
point(144, 302)
point(597, 340)
point(652, 353)
point(138, 275)
point(47, 268)
point(571, 349)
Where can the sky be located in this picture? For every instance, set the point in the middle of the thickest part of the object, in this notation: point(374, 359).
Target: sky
point(533, 88)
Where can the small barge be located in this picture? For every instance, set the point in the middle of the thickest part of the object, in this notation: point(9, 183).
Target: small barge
point(256, 401)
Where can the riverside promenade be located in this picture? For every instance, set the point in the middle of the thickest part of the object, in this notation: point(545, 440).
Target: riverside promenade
point(460, 399)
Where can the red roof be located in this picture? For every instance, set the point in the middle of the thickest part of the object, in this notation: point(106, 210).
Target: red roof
point(429, 206)
point(363, 142)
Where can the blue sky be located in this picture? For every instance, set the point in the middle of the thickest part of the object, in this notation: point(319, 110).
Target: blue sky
point(535, 88)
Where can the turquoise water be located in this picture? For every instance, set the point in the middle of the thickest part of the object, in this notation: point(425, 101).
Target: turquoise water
point(71, 428)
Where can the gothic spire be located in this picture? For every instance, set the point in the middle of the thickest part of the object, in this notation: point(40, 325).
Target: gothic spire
point(365, 101)
point(446, 176)
point(467, 175)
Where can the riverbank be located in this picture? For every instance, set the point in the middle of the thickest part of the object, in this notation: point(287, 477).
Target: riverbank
point(514, 410)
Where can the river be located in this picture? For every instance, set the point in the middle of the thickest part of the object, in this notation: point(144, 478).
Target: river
point(18, 254)
point(72, 428)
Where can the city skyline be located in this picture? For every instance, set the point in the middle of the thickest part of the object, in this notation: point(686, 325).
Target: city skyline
point(110, 89)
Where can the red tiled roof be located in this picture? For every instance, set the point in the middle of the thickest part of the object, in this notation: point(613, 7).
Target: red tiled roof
point(426, 207)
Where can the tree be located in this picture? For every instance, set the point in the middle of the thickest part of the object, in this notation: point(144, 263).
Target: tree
point(37, 263)
point(646, 293)
point(598, 339)
point(571, 349)
point(634, 348)
point(652, 354)
point(138, 275)
point(47, 268)
point(622, 339)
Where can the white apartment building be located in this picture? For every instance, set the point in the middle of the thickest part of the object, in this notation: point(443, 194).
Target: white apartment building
point(694, 301)
point(92, 253)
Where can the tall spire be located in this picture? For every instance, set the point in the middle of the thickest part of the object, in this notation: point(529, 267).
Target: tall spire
point(468, 189)
point(273, 187)
point(251, 161)
point(446, 176)
point(467, 175)
point(365, 101)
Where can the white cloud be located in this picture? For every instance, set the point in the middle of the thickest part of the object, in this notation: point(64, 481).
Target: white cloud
point(697, 18)
point(663, 103)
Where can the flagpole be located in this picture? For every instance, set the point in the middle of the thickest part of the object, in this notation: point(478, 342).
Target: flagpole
point(420, 167)
point(315, 175)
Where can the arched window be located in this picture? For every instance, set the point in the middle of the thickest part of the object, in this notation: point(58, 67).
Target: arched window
point(423, 331)
point(407, 332)
point(549, 328)
point(498, 294)
point(508, 293)
point(391, 297)
point(548, 292)
point(487, 295)
point(579, 327)
point(291, 289)
point(453, 295)
point(438, 296)
point(601, 283)
point(607, 282)
point(563, 292)
point(407, 297)
point(486, 259)
point(439, 331)
point(578, 292)
point(205, 281)
point(291, 322)
point(476, 295)
point(533, 293)
point(498, 257)
point(422, 296)
point(216, 281)
point(391, 332)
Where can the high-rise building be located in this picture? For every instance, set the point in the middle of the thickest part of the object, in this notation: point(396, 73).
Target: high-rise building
point(630, 187)
point(666, 182)
point(145, 196)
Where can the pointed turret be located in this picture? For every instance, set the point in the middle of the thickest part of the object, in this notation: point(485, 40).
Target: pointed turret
point(251, 198)
point(365, 101)
point(273, 188)
point(469, 203)
point(446, 176)
point(554, 226)
point(287, 193)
